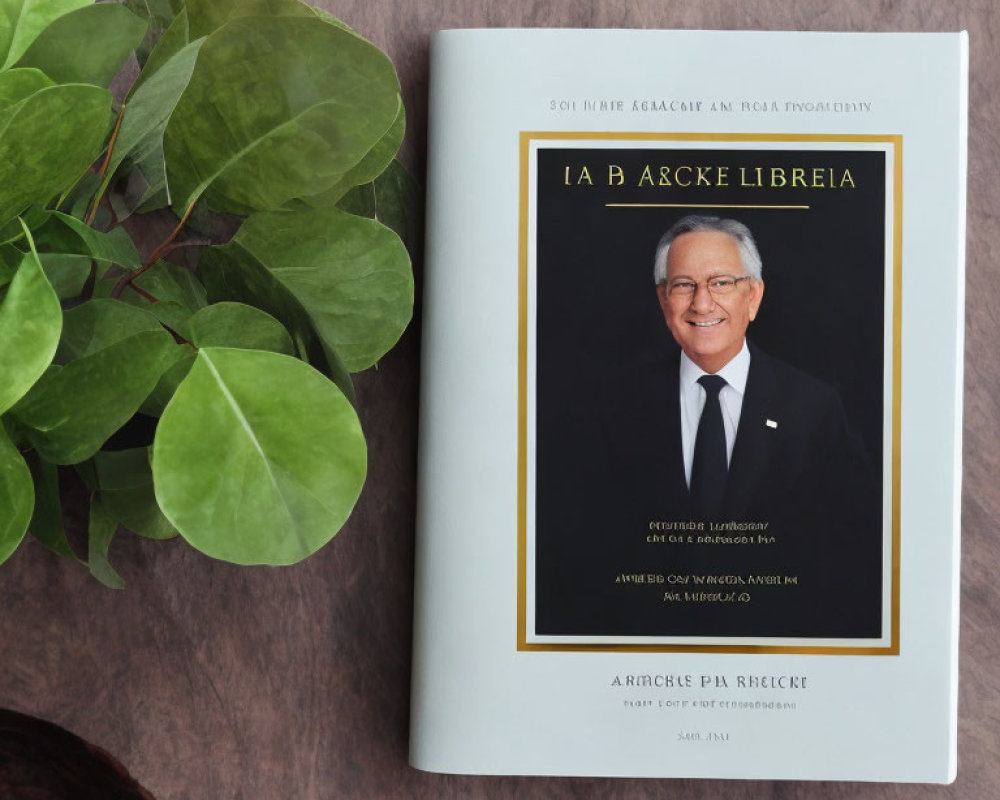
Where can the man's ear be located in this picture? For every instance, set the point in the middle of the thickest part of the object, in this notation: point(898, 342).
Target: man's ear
point(756, 295)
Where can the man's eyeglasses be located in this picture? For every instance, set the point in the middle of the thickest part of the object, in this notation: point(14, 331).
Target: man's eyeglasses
point(718, 285)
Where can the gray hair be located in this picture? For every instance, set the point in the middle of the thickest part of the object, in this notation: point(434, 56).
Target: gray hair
point(695, 223)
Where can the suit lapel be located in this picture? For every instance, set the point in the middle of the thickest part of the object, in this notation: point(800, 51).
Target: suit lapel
point(752, 449)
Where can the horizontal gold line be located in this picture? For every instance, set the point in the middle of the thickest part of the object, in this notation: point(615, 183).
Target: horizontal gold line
point(830, 650)
point(700, 205)
point(716, 137)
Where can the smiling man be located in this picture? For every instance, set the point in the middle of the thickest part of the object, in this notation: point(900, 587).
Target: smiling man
point(758, 439)
point(714, 459)
point(708, 282)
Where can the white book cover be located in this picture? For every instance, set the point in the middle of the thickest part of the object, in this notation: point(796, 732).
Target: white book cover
point(624, 569)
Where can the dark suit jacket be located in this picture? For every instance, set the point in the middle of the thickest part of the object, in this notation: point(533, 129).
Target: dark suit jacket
point(801, 487)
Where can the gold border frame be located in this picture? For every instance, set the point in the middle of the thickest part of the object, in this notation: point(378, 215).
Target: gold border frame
point(526, 138)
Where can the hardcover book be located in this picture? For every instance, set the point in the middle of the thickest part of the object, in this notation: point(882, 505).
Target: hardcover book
point(690, 456)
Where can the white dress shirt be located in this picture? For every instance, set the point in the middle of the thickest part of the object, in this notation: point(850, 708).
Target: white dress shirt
point(693, 401)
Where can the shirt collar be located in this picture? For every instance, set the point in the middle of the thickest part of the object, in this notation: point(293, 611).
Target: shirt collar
point(735, 371)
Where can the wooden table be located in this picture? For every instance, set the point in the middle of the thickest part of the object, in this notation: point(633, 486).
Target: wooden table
point(214, 681)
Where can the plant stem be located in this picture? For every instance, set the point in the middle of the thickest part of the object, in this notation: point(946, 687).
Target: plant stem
point(104, 167)
point(143, 293)
point(159, 252)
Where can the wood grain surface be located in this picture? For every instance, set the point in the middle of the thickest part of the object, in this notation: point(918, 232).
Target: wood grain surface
point(213, 681)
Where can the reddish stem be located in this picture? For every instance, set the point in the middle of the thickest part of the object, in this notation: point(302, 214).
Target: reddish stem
point(159, 252)
point(107, 160)
point(143, 293)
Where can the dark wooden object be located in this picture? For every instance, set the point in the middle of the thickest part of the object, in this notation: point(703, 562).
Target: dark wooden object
point(214, 681)
point(41, 761)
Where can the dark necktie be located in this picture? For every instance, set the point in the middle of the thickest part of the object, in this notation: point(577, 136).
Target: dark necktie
point(710, 467)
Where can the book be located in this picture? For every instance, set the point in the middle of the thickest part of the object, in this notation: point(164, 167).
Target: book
point(626, 570)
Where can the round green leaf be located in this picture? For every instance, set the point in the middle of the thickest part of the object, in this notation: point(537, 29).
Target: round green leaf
point(97, 324)
point(169, 381)
point(74, 409)
point(30, 323)
point(258, 458)
point(17, 497)
point(17, 84)
point(302, 103)
point(230, 275)
point(206, 16)
point(67, 274)
point(326, 259)
point(48, 140)
point(125, 481)
point(87, 45)
point(22, 20)
point(370, 167)
point(241, 326)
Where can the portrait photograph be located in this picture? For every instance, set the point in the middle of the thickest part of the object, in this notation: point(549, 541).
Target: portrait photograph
point(709, 392)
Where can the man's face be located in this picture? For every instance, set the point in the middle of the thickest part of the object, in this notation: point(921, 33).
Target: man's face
point(708, 327)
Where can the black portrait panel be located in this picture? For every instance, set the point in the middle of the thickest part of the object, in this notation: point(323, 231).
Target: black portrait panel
point(618, 552)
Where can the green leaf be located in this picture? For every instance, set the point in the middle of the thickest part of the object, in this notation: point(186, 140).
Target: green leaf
point(16, 497)
point(30, 323)
point(164, 281)
point(158, 14)
point(177, 294)
point(395, 200)
point(140, 137)
point(171, 315)
point(67, 274)
point(325, 259)
point(46, 520)
point(126, 489)
point(87, 45)
point(177, 291)
point(201, 17)
point(103, 527)
point(17, 84)
point(370, 167)
point(292, 128)
point(226, 278)
point(22, 20)
point(241, 326)
point(10, 261)
point(134, 192)
point(98, 324)
point(174, 39)
point(359, 201)
point(258, 458)
point(70, 121)
point(31, 218)
point(206, 16)
point(74, 409)
point(171, 378)
point(76, 202)
point(66, 235)
point(399, 205)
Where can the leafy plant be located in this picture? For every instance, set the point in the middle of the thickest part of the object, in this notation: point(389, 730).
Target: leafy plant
point(209, 394)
